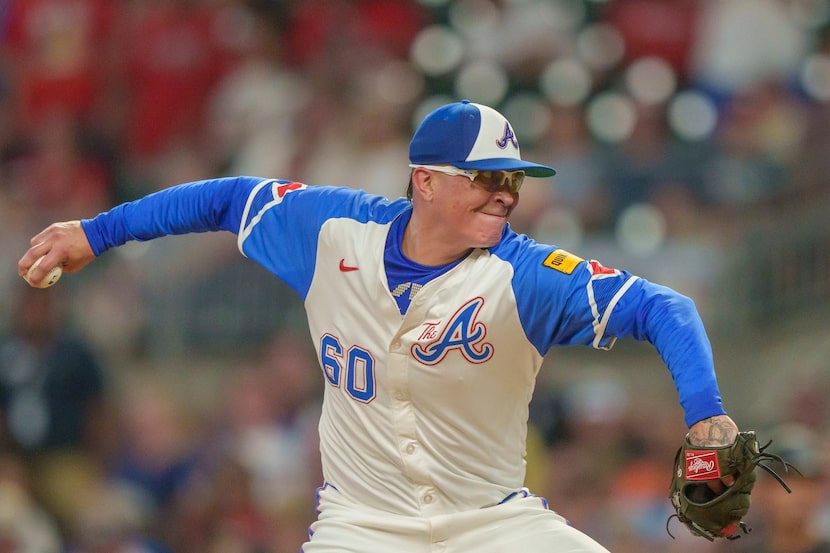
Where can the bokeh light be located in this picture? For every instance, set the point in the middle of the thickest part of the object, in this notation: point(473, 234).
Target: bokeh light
point(482, 81)
point(566, 82)
point(395, 83)
point(810, 13)
point(641, 229)
point(815, 77)
point(611, 116)
point(692, 115)
point(600, 46)
point(470, 17)
point(650, 80)
point(527, 111)
point(437, 50)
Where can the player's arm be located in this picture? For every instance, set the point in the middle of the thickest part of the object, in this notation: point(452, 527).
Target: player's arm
point(671, 322)
point(631, 306)
point(596, 305)
point(193, 207)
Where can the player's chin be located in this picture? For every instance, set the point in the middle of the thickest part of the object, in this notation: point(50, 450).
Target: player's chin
point(488, 221)
point(490, 235)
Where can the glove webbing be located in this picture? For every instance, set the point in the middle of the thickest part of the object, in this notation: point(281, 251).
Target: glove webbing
point(761, 456)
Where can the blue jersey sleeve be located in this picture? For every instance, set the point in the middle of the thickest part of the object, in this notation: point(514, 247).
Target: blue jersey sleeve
point(565, 300)
point(281, 230)
point(278, 222)
point(670, 322)
point(202, 206)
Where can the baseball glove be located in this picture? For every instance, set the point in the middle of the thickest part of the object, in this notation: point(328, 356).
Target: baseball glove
point(706, 512)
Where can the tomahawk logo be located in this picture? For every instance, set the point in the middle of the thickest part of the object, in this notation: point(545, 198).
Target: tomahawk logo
point(282, 188)
point(462, 332)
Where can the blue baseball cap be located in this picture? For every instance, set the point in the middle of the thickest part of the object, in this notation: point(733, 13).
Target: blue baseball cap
point(470, 136)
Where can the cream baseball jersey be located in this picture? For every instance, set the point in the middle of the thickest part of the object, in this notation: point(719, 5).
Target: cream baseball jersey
point(426, 400)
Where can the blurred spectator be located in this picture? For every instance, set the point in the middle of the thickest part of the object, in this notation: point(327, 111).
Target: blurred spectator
point(651, 167)
point(52, 384)
point(547, 29)
point(156, 457)
point(353, 55)
point(251, 488)
point(808, 404)
point(109, 520)
point(272, 414)
point(157, 445)
point(58, 53)
point(59, 172)
point(584, 463)
point(577, 191)
point(217, 512)
point(175, 51)
point(343, 35)
point(278, 442)
point(806, 173)
point(371, 158)
point(53, 398)
point(253, 115)
point(808, 164)
point(10, 133)
point(25, 527)
point(759, 131)
point(734, 51)
point(639, 509)
point(667, 30)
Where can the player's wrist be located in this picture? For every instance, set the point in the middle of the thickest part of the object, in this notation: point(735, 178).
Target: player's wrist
point(715, 431)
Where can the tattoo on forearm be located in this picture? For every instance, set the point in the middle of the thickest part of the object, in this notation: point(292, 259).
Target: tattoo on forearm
point(713, 432)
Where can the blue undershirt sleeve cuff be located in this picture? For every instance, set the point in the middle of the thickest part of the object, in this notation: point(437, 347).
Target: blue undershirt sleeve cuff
point(702, 406)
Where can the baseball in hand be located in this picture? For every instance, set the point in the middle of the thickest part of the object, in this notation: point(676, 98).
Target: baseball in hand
point(50, 278)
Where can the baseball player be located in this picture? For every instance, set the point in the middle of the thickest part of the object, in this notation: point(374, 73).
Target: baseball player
point(430, 318)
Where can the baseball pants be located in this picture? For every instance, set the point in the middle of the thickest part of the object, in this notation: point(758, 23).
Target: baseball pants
point(522, 524)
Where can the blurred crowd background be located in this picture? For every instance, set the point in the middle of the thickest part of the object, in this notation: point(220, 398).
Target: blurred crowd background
point(165, 399)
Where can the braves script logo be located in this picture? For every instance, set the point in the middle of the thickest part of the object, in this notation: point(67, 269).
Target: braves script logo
point(702, 465)
point(507, 138)
point(462, 332)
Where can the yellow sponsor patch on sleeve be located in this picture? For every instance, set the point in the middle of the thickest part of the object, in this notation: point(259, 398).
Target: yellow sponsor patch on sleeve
point(562, 261)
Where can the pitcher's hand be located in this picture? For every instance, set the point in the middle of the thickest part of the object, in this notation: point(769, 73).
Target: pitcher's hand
point(63, 244)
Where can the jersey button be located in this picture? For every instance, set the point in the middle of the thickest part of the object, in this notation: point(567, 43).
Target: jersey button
point(410, 449)
point(428, 498)
point(396, 344)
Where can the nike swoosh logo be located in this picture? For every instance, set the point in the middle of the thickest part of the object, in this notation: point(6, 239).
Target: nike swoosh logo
point(346, 268)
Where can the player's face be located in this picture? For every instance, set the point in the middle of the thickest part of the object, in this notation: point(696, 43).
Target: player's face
point(477, 211)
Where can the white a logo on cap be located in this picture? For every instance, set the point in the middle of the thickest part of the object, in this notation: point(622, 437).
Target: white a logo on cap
point(494, 136)
point(507, 137)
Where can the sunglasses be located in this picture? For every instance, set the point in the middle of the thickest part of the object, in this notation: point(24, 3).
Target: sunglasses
point(491, 181)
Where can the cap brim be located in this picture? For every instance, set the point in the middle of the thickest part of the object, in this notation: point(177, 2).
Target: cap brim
point(508, 164)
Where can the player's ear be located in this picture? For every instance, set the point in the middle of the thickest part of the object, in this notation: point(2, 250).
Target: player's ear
point(422, 182)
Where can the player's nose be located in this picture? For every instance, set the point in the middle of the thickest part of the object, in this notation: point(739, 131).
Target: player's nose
point(505, 197)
